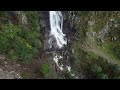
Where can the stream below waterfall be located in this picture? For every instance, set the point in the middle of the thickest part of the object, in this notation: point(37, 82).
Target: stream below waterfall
point(57, 40)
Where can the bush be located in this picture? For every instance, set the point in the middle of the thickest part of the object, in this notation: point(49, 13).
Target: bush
point(116, 50)
point(7, 35)
point(13, 55)
point(96, 69)
point(67, 75)
point(102, 76)
point(3, 13)
point(25, 75)
point(23, 49)
point(44, 69)
point(118, 77)
point(116, 68)
point(33, 20)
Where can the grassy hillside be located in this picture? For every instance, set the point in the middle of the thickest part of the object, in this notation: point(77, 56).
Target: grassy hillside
point(96, 49)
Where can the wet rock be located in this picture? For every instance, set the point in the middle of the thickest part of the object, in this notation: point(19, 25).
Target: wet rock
point(45, 29)
point(20, 16)
point(2, 57)
point(18, 65)
point(5, 75)
point(12, 72)
point(5, 62)
point(1, 69)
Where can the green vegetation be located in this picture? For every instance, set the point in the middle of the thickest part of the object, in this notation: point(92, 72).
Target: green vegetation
point(112, 43)
point(20, 42)
point(67, 75)
point(84, 58)
point(96, 69)
point(116, 70)
point(44, 69)
point(3, 14)
point(33, 20)
point(95, 52)
point(25, 75)
point(102, 76)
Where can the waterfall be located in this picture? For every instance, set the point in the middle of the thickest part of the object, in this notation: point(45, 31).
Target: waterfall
point(56, 26)
point(57, 38)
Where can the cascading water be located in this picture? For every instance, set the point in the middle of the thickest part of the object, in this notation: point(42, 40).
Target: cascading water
point(56, 25)
point(57, 39)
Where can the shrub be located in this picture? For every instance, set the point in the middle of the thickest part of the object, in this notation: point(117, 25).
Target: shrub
point(33, 20)
point(12, 55)
point(118, 77)
point(3, 13)
point(7, 34)
point(116, 50)
point(102, 76)
point(3, 43)
point(96, 68)
point(23, 49)
point(116, 68)
point(67, 75)
point(44, 69)
point(25, 75)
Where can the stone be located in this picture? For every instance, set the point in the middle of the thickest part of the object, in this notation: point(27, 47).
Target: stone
point(1, 69)
point(5, 62)
point(12, 72)
point(18, 65)
point(21, 16)
point(2, 57)
point(73, 51)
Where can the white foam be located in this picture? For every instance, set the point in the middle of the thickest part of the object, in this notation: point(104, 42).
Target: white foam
point(69, 68)
point(56, 25)
point(56, 59)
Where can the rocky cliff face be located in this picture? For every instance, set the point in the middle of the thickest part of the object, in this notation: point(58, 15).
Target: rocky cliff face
point(20, 16)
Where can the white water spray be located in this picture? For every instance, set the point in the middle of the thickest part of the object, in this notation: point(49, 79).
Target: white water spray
point(56, 33)
point(56, 26)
